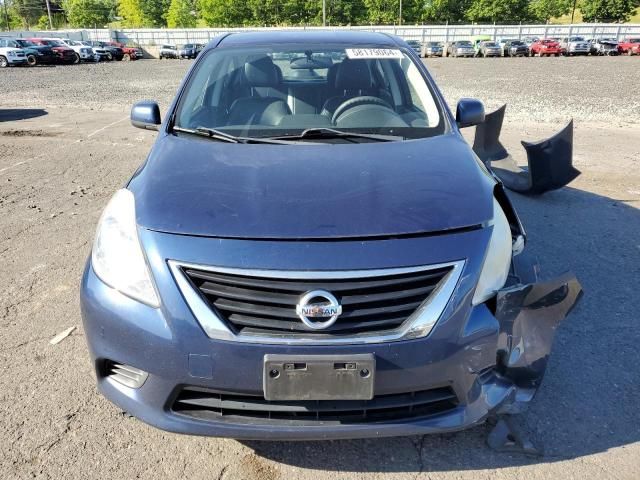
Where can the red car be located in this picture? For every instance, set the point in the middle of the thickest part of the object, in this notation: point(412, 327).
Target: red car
point(130, 53)
point(630, 46)
point(545, 48)
point(64, 54)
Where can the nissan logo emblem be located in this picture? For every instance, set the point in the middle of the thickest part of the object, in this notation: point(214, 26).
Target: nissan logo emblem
point(316, 305)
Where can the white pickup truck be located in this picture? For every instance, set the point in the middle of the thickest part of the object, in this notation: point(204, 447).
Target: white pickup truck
point(12, 56)
point(85, 53)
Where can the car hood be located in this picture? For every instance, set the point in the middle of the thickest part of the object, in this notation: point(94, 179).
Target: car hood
point(196, 186)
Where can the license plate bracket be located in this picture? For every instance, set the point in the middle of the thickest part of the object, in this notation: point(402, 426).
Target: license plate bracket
point(319, 377)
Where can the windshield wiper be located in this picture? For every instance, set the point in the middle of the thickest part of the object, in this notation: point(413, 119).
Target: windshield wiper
point(221, 136)
point(326, 132)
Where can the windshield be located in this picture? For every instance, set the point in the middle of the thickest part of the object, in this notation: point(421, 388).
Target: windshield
point(490, 44)
point(576, 39)
point(284, 90)
point(24, 43)
point(517, 43)
point(54, 43)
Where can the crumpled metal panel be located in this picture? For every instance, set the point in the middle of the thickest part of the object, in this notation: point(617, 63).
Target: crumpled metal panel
point(529, 315)
point(549, 161)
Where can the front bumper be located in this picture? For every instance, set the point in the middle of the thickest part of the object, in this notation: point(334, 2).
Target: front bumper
point(16, 60)
point(492, 361)
point(464, 52)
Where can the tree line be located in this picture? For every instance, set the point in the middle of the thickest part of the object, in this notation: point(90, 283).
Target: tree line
point(237, 13)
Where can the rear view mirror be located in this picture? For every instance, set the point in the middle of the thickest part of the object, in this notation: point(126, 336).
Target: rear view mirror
point(469, 112)
point(146, 115)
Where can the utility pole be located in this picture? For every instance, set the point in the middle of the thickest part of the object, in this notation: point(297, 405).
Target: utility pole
point(400, 14)
point(324, 13)
point(49, 13)
point(6, 14)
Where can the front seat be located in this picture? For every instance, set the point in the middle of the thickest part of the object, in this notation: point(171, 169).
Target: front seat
point(259, 73)
point(352, 79)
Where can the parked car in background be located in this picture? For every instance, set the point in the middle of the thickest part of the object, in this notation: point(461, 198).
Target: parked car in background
point(199, 47)
point(188, 50)
point(515, 48)
point(460, 48)
point(116, 52)
point(575, 46)
point(604, 46)
point(477, 40)
point(100, 54)
point(36, 54)
point(10, 56)
point(85, 52)
point(416, 46)
point(129, 53)
point(432, 49)
point(64, 54)
point(503, 41)
point(168, 51)
point(545, 48)
point(630, 46)
point(489, 49)
point(530, 41)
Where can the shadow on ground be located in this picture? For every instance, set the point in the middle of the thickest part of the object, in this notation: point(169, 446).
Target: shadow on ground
point(12, 114)
point(588, 401)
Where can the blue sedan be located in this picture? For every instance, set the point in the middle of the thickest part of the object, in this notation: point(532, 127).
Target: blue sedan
point(311, 251)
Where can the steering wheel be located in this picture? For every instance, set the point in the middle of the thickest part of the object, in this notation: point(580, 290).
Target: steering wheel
point(356, 101)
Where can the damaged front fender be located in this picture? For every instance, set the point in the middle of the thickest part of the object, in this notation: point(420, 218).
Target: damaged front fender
point(529, 315)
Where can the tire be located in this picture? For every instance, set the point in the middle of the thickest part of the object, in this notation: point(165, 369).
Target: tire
point(32, 61)
point(126, 57)
point(3, 62)
point(76, 59)
point(109, 57)
point(630, 52)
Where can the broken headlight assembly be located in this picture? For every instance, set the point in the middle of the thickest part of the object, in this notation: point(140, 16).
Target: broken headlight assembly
point(497, 260)
point(117, 257)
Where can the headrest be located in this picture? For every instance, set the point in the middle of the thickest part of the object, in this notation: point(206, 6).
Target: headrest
point(260, 71)
point(353, 74)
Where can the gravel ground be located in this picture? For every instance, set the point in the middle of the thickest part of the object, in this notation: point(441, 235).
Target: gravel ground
point(67, 146)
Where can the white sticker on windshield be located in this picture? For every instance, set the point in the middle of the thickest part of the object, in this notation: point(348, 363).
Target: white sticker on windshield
point(373, 53)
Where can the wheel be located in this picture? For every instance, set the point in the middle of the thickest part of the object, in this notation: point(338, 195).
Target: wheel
point(557, 54)
point(3, 62)
point(31, 60)
point(76, 58)
point(630, 51)
point(109, 57)
point(126, 57)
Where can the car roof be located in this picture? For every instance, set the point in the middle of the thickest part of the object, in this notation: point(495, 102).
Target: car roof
point(322, 37)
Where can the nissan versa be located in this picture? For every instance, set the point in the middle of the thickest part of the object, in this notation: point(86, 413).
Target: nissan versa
point(311, 250)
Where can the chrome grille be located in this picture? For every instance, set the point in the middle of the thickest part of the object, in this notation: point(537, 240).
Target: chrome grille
point(260, 305)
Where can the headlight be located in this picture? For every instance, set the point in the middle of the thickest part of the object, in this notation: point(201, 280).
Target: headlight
point(117, 257)
point(498, 259)
point(11, 53)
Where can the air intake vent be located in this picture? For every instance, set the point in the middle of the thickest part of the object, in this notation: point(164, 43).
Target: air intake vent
point(205, 404)
point(125, 374)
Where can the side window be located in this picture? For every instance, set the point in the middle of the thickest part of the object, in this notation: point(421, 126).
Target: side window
point(3, 43)
point(420, 96)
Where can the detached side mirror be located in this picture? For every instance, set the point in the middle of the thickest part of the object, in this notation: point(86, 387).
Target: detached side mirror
point(146, 115)
point(469, 112)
